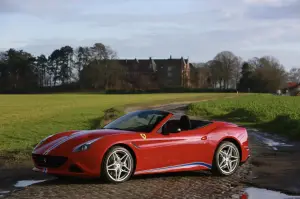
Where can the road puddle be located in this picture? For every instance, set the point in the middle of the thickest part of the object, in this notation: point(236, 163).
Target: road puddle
point(256, 193)
point(26, 183)
point(3, 193)
point(270, 140)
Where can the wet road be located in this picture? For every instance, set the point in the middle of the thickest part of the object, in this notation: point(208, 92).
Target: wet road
point(173, 185)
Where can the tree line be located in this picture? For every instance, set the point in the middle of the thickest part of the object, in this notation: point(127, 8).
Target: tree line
point(258, 74)
point(83, 67)
point(94, 68)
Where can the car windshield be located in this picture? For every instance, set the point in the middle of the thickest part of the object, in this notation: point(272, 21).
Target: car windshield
point(141, 121)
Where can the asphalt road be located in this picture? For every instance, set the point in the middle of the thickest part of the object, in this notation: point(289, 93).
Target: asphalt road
point(256, 172)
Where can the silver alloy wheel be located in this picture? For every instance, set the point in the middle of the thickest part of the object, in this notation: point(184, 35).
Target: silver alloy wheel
point(228, 159)
point(119, 165)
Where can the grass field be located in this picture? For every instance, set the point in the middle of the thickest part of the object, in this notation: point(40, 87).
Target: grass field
point(26, 119)
point(279, 114)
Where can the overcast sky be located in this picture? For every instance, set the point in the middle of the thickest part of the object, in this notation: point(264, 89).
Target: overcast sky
point(197, 29)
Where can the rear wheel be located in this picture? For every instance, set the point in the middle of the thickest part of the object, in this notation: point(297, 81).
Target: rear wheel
point(117, 165)
point(226, 159)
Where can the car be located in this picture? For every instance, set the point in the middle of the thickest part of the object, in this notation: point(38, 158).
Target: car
point(144, 142)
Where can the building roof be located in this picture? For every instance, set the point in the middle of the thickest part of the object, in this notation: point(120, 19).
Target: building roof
point(146, 64)
point(292, 85)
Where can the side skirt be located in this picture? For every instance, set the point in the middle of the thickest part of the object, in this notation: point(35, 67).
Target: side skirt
point(181, 167)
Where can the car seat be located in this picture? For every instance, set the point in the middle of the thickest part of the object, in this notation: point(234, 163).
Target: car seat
point(185, 123)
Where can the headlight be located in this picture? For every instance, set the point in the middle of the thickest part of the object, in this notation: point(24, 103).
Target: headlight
point(42, 141)
point(85, 146)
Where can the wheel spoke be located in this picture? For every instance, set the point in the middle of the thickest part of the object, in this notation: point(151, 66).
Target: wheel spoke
point(223, 154)
point(116, 157)
point(126, 168)
point(125, 171)
point(112, 165)
point(119, 176)
point(225, 165)
point(229, 166)
point(229, 151)
point(125, 165)
point(124, 156)
point(116, 174)
point(223, 162)
point(234, 157)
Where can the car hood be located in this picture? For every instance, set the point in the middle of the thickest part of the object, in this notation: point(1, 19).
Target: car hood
point(72, 139)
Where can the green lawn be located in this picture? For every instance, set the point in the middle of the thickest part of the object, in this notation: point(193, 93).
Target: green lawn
point(26, 119)
point(278, 114)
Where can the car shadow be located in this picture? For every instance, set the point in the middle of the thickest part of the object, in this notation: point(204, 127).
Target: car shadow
point(76, 180)
point(170, 175)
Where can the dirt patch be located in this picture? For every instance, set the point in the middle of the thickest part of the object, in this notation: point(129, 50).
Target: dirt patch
point(182, 105)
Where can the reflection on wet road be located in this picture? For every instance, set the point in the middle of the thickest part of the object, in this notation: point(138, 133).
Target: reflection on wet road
point(256, 193)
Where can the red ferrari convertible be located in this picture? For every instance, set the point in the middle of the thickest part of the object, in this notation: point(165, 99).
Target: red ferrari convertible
point(144, 142)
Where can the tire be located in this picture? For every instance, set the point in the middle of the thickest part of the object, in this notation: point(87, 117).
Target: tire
point(222, 162)
point(111, 161)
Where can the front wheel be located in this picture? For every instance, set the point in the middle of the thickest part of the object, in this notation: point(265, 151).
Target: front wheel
point(117, 165)
point(226, 159)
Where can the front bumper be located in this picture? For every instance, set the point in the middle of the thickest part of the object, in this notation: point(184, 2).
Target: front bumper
point(67, 166)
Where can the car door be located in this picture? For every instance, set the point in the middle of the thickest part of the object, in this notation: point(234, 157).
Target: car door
point(160, 152)
point(186, 147)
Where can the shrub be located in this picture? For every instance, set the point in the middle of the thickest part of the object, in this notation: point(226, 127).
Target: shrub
point(276, 113)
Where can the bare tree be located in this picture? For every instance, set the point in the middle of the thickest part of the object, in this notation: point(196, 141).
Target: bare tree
point(200, 75)
point(270, 74)
point(229, 64)
point(237, 69)
point(294, 75)
point(82, 59)
point(216, 72)
point(103, 71)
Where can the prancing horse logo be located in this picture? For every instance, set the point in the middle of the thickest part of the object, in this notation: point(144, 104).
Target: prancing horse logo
point(143, 136)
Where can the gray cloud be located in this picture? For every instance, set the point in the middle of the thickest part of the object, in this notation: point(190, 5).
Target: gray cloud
point(285, 11)
point(7, 6)
point(65, 12)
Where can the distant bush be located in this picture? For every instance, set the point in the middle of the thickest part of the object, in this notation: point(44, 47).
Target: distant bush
point(171, 90)
point(275, 113)
point(110, 115)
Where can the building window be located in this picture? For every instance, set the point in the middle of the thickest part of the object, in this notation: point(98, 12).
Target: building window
point(169, 68)
point(169, 73)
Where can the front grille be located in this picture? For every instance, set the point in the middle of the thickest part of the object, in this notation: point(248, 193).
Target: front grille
point(48, 161)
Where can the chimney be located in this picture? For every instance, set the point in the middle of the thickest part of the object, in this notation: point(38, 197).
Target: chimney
point(170, 56)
